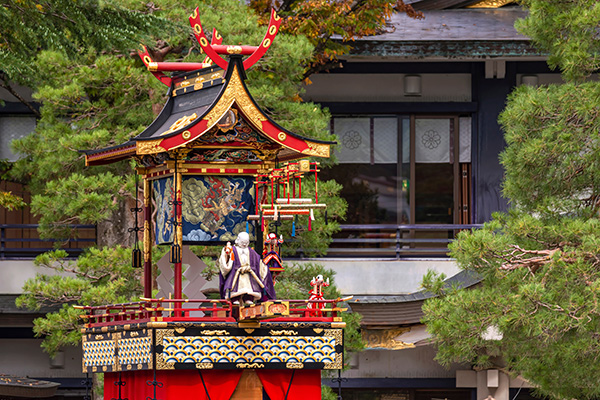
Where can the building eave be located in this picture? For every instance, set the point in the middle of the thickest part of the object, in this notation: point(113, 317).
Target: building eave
point(445, 49)
point(110, 155)
point(403, 310)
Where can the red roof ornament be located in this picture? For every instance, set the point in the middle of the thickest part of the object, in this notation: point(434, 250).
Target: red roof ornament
point(213, 52)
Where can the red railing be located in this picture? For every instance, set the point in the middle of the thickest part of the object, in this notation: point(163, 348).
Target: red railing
point(299, 310)
point(186, 310)
point(165, 310)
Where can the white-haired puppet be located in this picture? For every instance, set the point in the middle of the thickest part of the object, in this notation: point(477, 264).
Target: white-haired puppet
point(243, 276)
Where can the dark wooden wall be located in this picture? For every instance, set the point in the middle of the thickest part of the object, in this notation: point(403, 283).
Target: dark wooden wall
point(30, 242)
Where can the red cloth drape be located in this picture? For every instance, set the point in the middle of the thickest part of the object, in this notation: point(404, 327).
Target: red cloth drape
point(176, 384)
point(134, 387)
point(187, 385)
point(306, 384)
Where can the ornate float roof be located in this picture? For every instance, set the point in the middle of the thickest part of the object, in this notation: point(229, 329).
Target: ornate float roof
point(212, 99)
point(201, 100)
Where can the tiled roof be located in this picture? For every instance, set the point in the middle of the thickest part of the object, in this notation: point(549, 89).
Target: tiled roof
point(20, 387)
point(387, 311)
point(459, 24)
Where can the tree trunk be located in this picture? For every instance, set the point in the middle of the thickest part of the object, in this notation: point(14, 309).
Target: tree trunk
point(114, 231)
point(97, 387)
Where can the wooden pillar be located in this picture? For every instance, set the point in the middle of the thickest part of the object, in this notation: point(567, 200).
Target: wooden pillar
point(147, 238)
point(249, 387)
point(178, 239)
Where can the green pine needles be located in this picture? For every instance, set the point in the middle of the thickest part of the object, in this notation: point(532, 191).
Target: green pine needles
point(539, 262)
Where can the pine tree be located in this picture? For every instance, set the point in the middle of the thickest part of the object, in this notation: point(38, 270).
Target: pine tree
point(90, 100)
point(539, 262)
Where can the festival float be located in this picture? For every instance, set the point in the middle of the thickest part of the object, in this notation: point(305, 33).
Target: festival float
point(217, 170)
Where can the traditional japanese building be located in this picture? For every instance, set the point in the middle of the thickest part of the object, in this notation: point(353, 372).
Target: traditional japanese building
point(415, 112)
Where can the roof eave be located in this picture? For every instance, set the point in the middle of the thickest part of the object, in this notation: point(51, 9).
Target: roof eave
point(447, 49)
point(235, 92)
point(110, 155)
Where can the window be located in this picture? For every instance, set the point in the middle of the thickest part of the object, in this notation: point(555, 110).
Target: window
point(404, 169)
point(14, 127)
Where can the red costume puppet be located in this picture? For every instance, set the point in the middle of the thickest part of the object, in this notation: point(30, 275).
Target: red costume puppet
point(271, 256)
point(317, 294)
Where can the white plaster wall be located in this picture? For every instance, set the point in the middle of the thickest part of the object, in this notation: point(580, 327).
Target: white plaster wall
point(353, 276)
point(393, 277)
point(24, 357)
point(417, 362)
point(14, 273)
point(387, 88)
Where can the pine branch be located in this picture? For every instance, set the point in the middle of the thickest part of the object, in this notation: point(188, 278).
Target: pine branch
point(86, 275)
point(55, 300)
point(61, 266)
point(530, 259)
point(4, 84)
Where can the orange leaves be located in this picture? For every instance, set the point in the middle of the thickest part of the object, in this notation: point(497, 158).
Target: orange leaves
point(330, 23)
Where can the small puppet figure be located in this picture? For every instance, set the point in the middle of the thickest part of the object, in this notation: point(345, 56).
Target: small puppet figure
point(243, 276)
point(271, 254)
point(316, 293)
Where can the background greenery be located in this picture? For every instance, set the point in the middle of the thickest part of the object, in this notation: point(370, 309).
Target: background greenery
point(539, 262)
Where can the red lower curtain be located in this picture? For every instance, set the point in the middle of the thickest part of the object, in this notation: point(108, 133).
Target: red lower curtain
point(305, 384)
point(133, 386)
point(176, 385)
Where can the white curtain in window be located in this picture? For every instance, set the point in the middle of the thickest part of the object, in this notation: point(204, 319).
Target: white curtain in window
point(353, 137)
point(465, 139)
point(432, 140)
point(405, 140)
point(385, 141)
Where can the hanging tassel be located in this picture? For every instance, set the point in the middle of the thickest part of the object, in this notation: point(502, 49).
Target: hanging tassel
point(262, 222)
point(309, 224)
point(294, 226)
point(175, 254)
point(248, 227)
point(136, 256)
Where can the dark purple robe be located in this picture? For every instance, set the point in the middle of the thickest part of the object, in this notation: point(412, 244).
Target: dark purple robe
point(225, 284)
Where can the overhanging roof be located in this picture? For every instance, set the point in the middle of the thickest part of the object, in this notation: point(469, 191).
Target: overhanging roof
point(452, 33)
point(448, 25)
point(21, 387)
point(388, 311)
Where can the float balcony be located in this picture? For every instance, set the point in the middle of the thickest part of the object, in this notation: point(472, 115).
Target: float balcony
point(167, 334)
